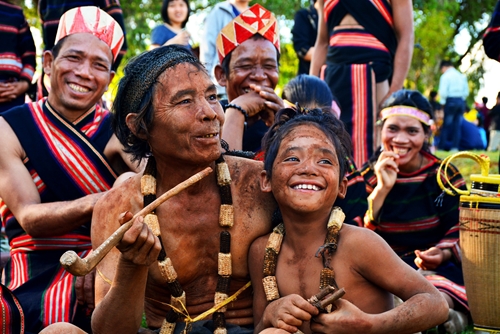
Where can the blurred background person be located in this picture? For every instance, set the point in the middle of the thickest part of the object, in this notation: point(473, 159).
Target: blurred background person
point(453, 92)
point(175, 15)
point(494, 128)
point(17, 56)
point(304, 31)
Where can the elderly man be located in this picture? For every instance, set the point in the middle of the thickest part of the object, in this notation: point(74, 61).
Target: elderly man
point(59, 156)
point(193, 254)
point(248, 49)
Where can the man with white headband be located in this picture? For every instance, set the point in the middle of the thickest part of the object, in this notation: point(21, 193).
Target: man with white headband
point(59, 156)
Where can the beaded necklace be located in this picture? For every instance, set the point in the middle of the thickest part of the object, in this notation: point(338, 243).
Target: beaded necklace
point(327, 276)
point(226, 218)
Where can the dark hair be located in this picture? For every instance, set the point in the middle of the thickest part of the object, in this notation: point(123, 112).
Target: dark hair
point(57, 48)
point(164, 12)
point(136, 92)
point(485, 100)
point(445, 63)
point(227, 59)
point(288, 118)
point(308, 91)
point(411, 98)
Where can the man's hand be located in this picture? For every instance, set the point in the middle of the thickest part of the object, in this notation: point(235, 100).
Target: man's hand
point(288, 313)
point(272, 102)
point(10, 91)
point(139, 245)
point(346, 318)
point(84, 288)
point(430, 259)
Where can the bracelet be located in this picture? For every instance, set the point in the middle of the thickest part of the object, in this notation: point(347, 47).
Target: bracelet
point(237, 107)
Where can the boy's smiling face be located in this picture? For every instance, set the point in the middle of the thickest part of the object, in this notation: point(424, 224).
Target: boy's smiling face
point(305, 175)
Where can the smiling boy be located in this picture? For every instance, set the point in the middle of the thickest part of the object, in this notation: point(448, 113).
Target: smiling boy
point(305, 175)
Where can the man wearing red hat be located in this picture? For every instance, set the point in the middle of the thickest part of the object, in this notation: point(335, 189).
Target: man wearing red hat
point(248, 49)
point(59, 156)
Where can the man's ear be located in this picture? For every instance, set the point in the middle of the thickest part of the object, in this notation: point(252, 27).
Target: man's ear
point(220, 75)
point(130, 120)
point(111, 76)
point(48, 59)
point(265, 183)
point(342, 188)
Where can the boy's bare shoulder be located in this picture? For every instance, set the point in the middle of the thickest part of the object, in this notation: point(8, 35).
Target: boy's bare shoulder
point(360, 237)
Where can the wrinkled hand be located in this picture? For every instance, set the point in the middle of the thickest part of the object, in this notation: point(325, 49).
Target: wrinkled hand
point(386, 169)
point(288, 313)
point(272, 102)
point(346, 318)
point(139, 245)
point(84, 288)
point(429, 259)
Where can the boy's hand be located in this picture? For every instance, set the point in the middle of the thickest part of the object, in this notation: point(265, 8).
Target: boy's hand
point(346, 318)
point(289, 313)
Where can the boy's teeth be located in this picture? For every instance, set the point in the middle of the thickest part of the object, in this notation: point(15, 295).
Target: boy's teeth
point(307, 186)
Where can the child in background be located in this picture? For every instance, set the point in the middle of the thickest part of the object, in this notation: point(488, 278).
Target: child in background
point(304, 169)
point(17, 56)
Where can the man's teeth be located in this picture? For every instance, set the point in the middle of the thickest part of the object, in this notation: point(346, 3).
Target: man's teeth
point(246, 90)
point(78, 88)
point(210, 135)
point(307, 186)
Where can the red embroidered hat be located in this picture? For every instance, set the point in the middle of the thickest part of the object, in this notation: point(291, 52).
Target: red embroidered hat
point(92, 20)
point(254, 20)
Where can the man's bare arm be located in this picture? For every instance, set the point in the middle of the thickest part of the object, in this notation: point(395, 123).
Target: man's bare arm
point(122, 274)
point(321, 45)
point(403, 26)
point(21, 195)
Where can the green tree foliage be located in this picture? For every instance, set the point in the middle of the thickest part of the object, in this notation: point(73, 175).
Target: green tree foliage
point(437, 24)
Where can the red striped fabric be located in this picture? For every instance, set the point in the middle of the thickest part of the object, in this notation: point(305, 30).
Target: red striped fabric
point(356, 39)
point(329, 5)
point(384, 11)
point(69, 155)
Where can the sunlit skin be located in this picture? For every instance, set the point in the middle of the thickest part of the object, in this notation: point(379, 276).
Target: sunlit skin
point(305, 173)
point(80, 74)
point(187, 116)
point(402, 138)
point(184, 138)
point(305, 183)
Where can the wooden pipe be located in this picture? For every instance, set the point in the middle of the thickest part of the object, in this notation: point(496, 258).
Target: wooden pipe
point(81, 267)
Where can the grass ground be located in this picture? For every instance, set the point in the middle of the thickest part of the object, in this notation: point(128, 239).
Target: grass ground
point(468, 166)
